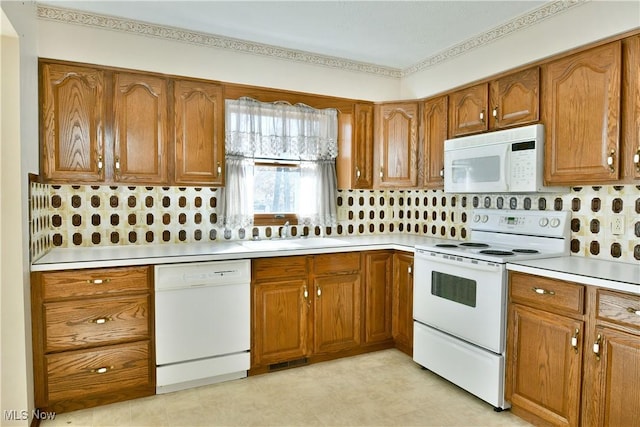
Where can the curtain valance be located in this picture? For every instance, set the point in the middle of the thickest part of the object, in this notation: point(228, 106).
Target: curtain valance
point(280, 130)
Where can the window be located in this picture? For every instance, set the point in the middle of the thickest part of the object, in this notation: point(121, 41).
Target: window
point(275, 193)
point(280, 164)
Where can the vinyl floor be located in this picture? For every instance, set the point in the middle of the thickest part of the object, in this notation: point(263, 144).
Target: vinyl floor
point(384, 388)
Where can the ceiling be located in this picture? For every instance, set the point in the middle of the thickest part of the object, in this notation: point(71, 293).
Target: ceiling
point(394, 34)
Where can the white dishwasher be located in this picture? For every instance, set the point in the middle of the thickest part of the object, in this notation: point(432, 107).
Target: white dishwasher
point(202, 328)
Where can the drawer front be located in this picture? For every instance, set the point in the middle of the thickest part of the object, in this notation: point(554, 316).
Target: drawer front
point(80, 374)
point(619, 308)
point(293, 267)
point(78, 324)
point(78, 283)
point(546, 293)
point(336, 263)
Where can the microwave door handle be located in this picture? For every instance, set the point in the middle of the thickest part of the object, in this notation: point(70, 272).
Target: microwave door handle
point(506, 172)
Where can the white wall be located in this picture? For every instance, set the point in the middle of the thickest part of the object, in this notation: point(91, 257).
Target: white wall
point(18, 156)
point(100, 46)
point(575, 27)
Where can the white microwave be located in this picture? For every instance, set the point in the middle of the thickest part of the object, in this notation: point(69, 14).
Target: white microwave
point(504, 161)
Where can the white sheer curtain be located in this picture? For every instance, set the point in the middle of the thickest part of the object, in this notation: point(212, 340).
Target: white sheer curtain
point(285, 132)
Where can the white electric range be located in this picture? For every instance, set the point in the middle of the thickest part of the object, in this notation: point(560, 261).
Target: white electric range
point(460, 295)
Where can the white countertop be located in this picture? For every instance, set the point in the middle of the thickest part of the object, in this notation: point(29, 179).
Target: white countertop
point(121, 256)
point(588, 271)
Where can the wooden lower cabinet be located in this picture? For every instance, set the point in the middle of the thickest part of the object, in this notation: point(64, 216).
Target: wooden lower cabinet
point(402, 310)
point(573, 353)
point(336, 312)
point(320, 307)
point(304, 306)
point(612, 361)
point(280, 330)
point(92, 337)
point(378, 293)
point(545, 371)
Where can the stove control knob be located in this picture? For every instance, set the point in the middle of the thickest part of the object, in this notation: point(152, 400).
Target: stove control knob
point(476, 218)
point(485, 218)
point(555, 222)
point(543, 222)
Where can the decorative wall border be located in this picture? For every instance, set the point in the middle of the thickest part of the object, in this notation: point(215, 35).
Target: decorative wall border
point(517, 24)
point(70, 16)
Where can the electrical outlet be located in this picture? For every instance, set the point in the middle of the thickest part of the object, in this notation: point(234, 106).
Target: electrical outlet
point(617, 225)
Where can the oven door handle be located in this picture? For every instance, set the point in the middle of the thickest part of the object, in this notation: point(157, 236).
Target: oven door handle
point(424, 258)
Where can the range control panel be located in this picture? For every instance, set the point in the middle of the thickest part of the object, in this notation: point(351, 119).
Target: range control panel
point(538, 223)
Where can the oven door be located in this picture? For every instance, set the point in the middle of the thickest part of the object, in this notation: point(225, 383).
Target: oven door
point(461, 296)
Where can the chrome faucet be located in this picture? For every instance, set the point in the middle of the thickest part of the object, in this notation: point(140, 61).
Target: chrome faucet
point(285, 230)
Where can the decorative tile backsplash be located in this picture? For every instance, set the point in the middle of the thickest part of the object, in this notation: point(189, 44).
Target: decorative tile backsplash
point(88, 216)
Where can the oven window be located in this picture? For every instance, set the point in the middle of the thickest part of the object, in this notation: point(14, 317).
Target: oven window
point(453, 288)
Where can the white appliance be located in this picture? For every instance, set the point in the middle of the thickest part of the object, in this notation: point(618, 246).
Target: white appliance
point(460, 295)
point(504, 161)
point(202, 323)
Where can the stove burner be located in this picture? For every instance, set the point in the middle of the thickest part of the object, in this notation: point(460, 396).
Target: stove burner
point(526, 251)
point(496, 252)
point(474, 245)
point(446, 245)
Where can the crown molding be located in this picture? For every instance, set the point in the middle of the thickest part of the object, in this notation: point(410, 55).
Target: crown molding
point(70, 16)
point(537, 15)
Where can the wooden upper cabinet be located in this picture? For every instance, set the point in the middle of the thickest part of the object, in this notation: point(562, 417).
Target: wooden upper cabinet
point(72, 128)
point(581, 113)
point(363, 145)
point(396, 145)
point(199, 133)
point(355, 150)
point(512, 100)
point(434, 133)
point(468, 110)
point(515, 99)
point(140, 128)
point(631, 108)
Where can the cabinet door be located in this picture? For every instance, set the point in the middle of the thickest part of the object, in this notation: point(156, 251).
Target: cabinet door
point(616, 368)
point(397, 145)
point(363, 146)
point(434, 129)
point(72, 123)
point(581, 98)
point(336, 315)
point(515, 99)
point(402, 312)
point(199, 133)
point(544, 366)
point(279, 321)
point(631, 108)
point(468, 110)
point(140, 128)
point(355, 152)
point(378, 293)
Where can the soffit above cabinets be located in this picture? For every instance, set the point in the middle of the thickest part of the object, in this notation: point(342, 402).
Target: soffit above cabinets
point(393, 38)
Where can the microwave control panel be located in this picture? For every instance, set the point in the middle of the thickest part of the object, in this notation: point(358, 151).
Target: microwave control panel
point(523, 164)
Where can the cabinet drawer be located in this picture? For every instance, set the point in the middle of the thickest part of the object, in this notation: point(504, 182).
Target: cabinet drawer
point(546, 293)
point(77, 283)
point(619, 308)
point(336, 263)
point(83, 373)
point(76, 324)
point(279, 267)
